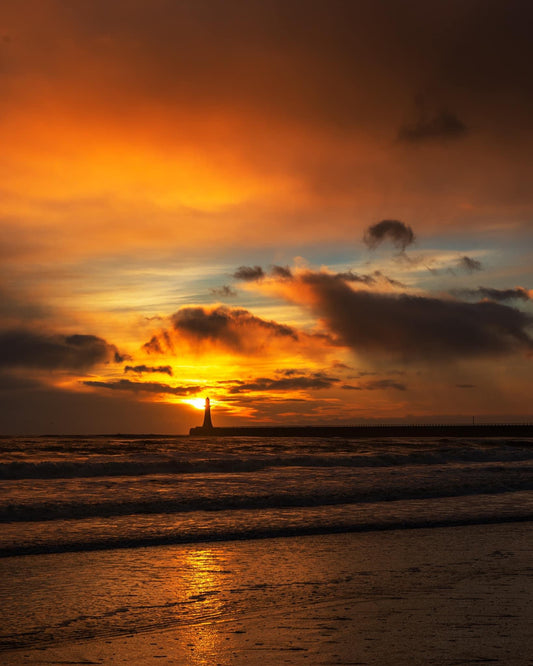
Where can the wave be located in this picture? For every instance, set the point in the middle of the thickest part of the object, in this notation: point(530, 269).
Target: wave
point(142, 466)
point(257, 533)
point(494, 481)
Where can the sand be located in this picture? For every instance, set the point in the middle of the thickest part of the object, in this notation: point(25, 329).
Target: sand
point(456, 595)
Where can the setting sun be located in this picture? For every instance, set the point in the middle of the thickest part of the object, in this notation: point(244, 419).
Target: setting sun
point(198, 403)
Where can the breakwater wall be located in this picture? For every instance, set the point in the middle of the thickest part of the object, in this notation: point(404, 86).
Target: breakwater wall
point(436, 430)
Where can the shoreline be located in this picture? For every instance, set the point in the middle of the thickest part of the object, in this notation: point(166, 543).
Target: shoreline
point(444, 596)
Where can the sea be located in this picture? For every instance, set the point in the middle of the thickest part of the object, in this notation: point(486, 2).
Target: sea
point(67, 503)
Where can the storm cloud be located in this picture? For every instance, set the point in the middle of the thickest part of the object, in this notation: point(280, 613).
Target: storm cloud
point(414, 327)
point(398, 233)
point(33, 349)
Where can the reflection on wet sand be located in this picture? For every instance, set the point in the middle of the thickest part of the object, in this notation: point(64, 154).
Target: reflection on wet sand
point(202, 576)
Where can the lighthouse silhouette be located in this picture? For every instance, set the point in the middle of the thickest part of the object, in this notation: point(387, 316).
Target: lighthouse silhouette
point(207, 415)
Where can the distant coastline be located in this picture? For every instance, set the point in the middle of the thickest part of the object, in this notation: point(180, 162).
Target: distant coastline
point(436, 430)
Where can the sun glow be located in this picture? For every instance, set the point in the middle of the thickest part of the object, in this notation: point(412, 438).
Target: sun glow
point(197, 403)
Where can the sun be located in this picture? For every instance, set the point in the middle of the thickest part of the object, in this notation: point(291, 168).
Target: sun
point(198, 403)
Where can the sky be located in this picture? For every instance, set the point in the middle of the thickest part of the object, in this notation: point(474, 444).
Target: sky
point(311, 211)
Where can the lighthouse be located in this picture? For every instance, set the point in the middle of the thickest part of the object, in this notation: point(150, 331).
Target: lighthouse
point(208, 425)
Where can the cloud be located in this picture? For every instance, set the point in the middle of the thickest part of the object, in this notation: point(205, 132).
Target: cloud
point(141, 369)
point(350, 276)
point(117, 105)
point(368, 278)
point(469, 265)
point(233, 329)
point(225, 291)
point(465, 386)
point(518, 293)
point(379, 276)
point(153, 346)
point(314, 381)
point(285, 273)
point(281, 271)
point(225, 324)
point(32, 349)
point(144, 387)
point(411, 327)
point(158, 344)
point(398, 233)
point(249, 273)
point(442, 125)
point(376, 385)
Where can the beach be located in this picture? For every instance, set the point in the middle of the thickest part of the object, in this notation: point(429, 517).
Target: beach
point(453, 595)
point(266, 550)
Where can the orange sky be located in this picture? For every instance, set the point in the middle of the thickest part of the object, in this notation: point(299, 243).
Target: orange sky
point(193, 203)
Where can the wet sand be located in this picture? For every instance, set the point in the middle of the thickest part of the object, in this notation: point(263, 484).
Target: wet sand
point(456, 595)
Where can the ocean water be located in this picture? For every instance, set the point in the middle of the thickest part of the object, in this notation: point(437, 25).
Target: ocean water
point(75, 494)
point(70, 506)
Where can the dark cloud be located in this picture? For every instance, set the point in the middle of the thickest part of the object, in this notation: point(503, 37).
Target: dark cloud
point(351, 276)
point(225, 324)
point(225, 291)
point(249, 273)
point(379, 276)
point(235, 329)
point(469, 265)
point(32, 349)
point(398, 233)
point(145, 387)
point(141, 369)
point(339, 365)
point(368, 278)
point(318, 70)
point(153, 346)
point(314, 381)
point(442, 125)
point(465, 386)
point(159, 344)
point(462, 46)
point(281, 271)
point(376, 385)
point(416, 327)
point(518, 293)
